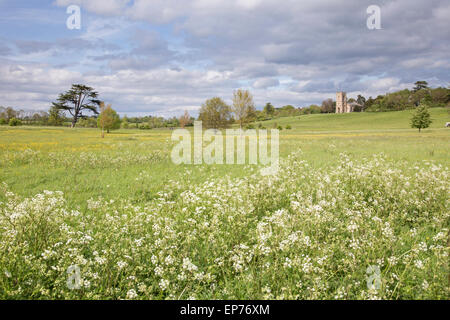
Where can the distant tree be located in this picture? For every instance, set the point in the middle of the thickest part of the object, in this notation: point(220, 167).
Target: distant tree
point(14, 122)
point(361, 101)
point(56, 117)
point(8, 113)
point(312, 109)
point(419, 96)
point(125, 123)
point(440, 96)
point(419, 85)
point(88, 122)
point(243, 106)
point(215, 113)
point(3, 121)
point(185, 119)
point(328, 106)
point(76, 100)
point(108, 119)
point(421, 118)
point(269, 109)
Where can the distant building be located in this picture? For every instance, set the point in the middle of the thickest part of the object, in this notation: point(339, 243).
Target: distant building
point(342, 105)
point(341, 102)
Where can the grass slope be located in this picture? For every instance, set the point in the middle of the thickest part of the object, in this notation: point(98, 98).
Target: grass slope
point(359, 121)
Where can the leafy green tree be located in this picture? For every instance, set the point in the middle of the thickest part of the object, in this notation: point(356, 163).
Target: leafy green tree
point(421, 118)
point(243, 106)
point(286, 111)
point(14, 122)
point(78, 99)
point(420, 96)
point(108, 119)
point(56, 117)
point(125, 124)
point(440, 96)
point(361, 101)
point(88, 122)
point(419, 85)
point(312, 109)
point(269, 109)
point(215, 113)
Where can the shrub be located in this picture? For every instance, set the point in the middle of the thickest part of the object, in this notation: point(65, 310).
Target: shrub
point(280, 128)
point(288, 127)
point(145, 126)
point(3, 121)
point(14, 122)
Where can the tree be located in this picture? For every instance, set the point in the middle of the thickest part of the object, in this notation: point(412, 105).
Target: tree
point(361, 101)
point(108, 119)
point(14, 122)
point(8, 113)
point(185, 119)
point(76, 100)
point(269, 109)
point(420, 96)
point(56, 117)
point(421, 118)
point(125, 124)
point(420, 85)
point(243, 106)
point(328, 106)
point(440, 96)
point(215, 113)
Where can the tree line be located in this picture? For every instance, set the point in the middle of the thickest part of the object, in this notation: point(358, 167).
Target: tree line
point(80, 106)
point(409, 99)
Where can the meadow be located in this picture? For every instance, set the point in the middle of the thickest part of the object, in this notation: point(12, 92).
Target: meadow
point(354, 191)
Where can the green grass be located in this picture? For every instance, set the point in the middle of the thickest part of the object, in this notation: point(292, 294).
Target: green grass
point(125, 189)
point(57, 165)
point(321, 138)
point(366, 121)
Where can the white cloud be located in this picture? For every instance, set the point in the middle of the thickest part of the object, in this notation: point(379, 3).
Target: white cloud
point(290, 52)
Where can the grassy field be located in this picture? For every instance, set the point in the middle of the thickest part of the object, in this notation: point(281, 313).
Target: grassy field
point(354, 190)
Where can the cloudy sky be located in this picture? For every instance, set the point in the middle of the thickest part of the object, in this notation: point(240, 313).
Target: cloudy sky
point(162, 57)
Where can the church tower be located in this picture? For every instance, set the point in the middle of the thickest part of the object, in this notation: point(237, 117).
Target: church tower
point(341, 102)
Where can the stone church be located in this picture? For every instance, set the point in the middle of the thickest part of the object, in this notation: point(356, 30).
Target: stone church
point(342, 105)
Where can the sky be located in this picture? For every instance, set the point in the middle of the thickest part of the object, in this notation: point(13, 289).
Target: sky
point(162, 57)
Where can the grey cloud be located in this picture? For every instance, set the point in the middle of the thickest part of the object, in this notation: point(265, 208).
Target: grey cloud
point(266, 83)
point(311, 47)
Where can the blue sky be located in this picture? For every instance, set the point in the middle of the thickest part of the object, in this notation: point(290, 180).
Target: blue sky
point(162, 57)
